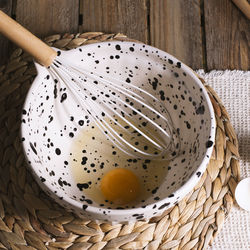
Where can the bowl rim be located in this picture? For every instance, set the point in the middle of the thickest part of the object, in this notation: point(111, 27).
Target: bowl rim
point(182, 190)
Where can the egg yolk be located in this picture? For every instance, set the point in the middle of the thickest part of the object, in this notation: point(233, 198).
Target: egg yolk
point(120, 186)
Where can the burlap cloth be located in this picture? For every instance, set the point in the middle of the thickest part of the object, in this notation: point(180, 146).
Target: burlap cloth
point(30, 220)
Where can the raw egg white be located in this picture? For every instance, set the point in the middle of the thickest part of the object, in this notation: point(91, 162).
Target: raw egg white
point(109, 177)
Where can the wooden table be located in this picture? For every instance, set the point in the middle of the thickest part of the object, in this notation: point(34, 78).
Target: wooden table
point(208, 34)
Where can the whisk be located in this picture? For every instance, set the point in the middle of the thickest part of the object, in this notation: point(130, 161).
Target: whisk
point(131, 118)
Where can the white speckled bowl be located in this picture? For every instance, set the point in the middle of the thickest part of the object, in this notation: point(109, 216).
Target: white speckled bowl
point(48, 137)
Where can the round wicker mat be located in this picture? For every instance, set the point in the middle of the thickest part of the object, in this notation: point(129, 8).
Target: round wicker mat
point(29, 219)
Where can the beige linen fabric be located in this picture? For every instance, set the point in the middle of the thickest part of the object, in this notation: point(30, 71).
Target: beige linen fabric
point(233, 87)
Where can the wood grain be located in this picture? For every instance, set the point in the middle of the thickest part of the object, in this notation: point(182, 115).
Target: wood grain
point(227, 36)
point(208, 34)
point(47, 17)
point(5, 45)
point(175, 28)
point(111, 16)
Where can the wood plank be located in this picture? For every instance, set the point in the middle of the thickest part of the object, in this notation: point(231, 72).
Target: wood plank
point(175, 27)
point(227, 36)
point(47, 17)
point(5, 45)
point(115, 16)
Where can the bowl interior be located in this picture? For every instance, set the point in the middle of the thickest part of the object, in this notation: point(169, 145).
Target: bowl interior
point(58, 133)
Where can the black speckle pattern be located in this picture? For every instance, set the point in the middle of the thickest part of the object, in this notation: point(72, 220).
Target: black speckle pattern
point(164, 205)
point(48, 129)
point(82, 186)
point(84, 207)
point(209, 144)
point(58, 151)
point(198, 174)
point(200, 110)
point(33, 148)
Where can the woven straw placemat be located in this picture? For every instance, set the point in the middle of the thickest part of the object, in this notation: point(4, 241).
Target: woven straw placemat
point(29, 219)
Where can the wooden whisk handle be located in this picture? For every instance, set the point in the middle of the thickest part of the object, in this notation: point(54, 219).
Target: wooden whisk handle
point(244, 6)
point(26, 40)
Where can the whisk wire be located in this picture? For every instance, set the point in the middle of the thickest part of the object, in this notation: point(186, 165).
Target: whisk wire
point(95, 99)
point(120, 84)
point(125, 91)
point(112, 135)
point(160, 147)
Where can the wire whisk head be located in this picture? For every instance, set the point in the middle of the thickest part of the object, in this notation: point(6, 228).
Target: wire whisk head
point(131, 118)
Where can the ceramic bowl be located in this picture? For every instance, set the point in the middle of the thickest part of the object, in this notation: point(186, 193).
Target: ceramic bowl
point(53, 122)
